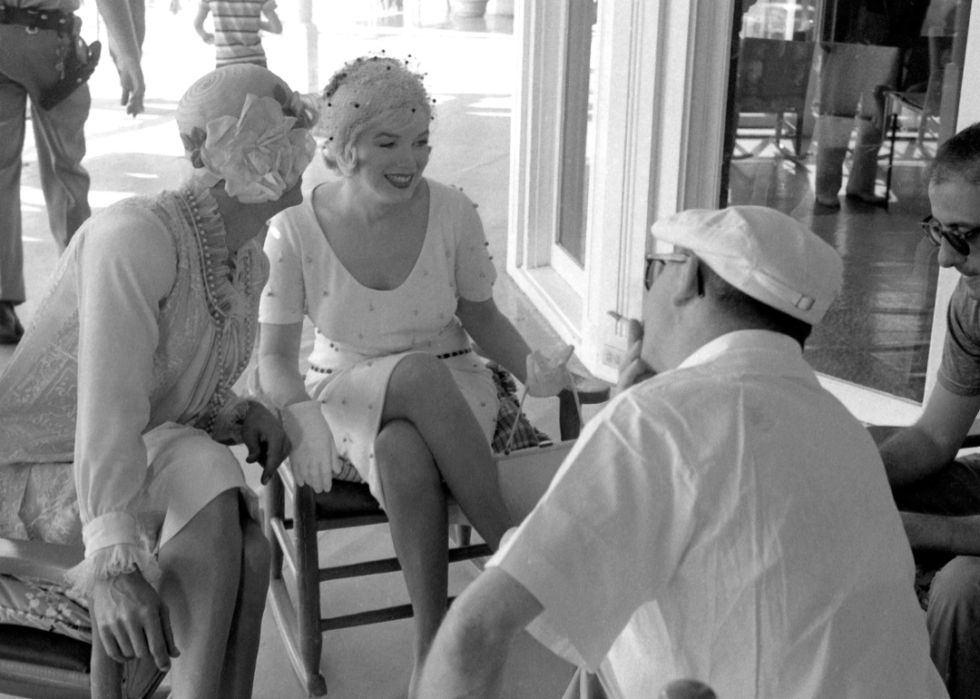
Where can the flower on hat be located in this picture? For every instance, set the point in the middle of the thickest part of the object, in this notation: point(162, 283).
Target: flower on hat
point(259, 155)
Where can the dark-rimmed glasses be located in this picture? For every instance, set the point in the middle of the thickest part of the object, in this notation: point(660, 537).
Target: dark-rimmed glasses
point(937, 232)
point(656, 262)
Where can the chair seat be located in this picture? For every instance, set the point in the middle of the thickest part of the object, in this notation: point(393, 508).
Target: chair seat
point(346, 499)
point(26, 645)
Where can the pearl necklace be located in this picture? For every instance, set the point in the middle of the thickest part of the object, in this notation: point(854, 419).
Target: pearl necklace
point(226, 375)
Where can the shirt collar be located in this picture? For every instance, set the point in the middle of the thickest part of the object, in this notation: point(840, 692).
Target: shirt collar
point(782, 353)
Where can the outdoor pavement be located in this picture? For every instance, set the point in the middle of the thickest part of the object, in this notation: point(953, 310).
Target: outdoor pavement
point(471, 70)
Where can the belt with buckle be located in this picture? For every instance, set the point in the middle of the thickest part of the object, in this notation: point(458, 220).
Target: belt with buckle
point(35, 19)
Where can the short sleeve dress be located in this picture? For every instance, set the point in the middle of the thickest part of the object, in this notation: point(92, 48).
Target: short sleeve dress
point(362, 333)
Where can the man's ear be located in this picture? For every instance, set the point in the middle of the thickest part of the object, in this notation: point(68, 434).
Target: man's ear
point(689, 282)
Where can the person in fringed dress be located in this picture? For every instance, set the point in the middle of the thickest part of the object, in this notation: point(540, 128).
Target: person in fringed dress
point(121, 391)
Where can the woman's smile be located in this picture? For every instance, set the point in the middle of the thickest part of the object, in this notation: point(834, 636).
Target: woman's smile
point(400, 181)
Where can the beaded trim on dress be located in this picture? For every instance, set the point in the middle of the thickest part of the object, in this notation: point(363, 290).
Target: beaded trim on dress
point(200, 210)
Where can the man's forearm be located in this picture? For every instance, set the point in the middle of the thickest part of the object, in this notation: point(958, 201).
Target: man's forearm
point(956, 535)
point(463, 663)
point(122, 32)
point(468, 655)
point(909, 455)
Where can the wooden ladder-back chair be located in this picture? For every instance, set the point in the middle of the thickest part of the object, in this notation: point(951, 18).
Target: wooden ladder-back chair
point(294, 542)
point(41, 664)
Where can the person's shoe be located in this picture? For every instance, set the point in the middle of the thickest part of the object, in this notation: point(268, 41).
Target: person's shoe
point(822, 205)
point(869, 199)
point(10, 328)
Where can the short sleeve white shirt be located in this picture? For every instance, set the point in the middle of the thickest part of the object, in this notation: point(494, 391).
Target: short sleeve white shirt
point(728, 521)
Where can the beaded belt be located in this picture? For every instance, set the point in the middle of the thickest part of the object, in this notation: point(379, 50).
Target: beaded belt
point(447, 355)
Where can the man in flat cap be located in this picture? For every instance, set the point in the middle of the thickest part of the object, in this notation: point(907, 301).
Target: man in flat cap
point(726, 521)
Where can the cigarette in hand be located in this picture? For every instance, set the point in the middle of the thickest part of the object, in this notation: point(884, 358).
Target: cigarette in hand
point(616, 316)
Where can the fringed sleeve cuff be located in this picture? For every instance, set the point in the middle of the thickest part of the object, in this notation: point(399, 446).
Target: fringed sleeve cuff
point(112, 547)
point(228, 422)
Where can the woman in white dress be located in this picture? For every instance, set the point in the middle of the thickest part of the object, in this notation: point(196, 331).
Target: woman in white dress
point(393, 271)
point(121, 392)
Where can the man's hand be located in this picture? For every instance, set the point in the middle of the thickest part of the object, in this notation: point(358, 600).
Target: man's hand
point(265, 438)
point(132, 620)
point(133, 87)
point(632, 370)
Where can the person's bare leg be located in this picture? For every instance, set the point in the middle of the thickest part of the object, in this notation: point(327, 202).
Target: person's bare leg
point(201, 571)
point(422, 391)
point(238, 673)
point(416, 508)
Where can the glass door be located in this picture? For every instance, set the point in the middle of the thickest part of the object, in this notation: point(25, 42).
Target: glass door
point(835, 111)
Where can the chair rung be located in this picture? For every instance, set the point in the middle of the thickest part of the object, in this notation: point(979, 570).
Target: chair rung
point(465, 553)
point(391, 565)
point(356, 570)
point(375, 616)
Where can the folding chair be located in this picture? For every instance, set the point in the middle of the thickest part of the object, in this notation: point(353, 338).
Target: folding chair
point(42, 664)
point(294, 542)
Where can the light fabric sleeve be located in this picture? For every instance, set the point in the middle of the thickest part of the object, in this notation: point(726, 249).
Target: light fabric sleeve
point(126, 265)
point(608, 534)
point(475, 273)
point(284, 298)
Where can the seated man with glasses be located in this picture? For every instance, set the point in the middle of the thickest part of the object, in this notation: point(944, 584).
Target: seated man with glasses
point(940, 497)
point(727, 520)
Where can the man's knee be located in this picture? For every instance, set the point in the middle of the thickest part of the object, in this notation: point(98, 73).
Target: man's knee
point(956, 590)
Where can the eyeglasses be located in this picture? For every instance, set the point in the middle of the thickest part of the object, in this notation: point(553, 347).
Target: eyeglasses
point(937, 232)
point(657, 261)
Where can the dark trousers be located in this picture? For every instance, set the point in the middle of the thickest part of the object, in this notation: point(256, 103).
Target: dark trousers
point(953, 615)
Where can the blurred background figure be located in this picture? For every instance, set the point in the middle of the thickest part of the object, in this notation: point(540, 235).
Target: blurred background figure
point(861, 47)
point(45, 62)
point(237, 27)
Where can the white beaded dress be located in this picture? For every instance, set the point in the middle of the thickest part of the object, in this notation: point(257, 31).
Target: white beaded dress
point(362, 333)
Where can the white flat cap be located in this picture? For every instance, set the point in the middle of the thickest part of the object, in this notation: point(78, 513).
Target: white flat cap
point(763, 253)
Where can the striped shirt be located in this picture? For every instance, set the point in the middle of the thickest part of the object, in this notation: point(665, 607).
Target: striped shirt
point(236, 30)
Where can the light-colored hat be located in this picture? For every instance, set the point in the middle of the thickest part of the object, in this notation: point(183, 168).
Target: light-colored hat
point(365, 90)
point(763, 253)
point(242, 124)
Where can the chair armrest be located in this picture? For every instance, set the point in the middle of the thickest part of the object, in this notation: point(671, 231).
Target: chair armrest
point(38, 559)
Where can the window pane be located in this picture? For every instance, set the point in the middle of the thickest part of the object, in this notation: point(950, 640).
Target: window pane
point(578, 129)
point(835, 111)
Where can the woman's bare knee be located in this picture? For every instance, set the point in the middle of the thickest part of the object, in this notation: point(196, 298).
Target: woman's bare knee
point(209, 547)
point(403, 458)
point(418, 380)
